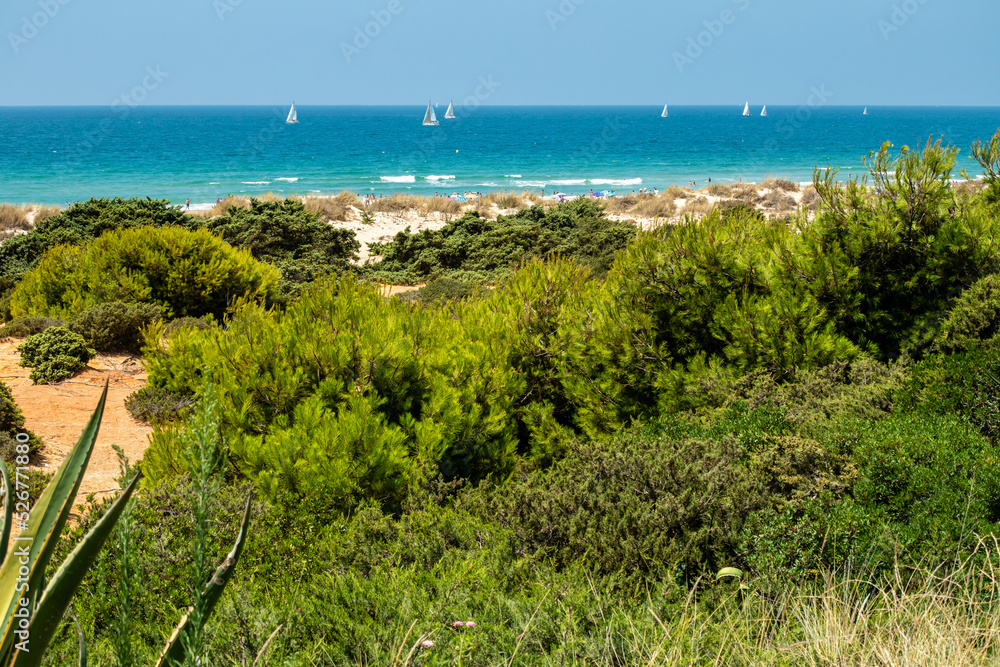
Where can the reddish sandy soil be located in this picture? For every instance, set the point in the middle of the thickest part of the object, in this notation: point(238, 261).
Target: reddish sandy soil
point(58, 413)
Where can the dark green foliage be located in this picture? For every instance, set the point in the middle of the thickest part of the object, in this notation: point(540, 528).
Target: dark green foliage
point(11, 424)
point(115, 326)
point(444, 289)
point(927, 484)
point(988, 156)
point(29, 325)
point(475, 249)
point(975, 316)
point(155, 404)
point(83, 222)
point(287, 236)
point(55, 354)
point(967, 384)
point(189, 273)
point(200, 323)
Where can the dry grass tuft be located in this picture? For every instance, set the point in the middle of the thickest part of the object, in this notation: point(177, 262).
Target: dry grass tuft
point(223, 206)
point(333, 209)
point(810, 198)
point(13, 219)
point(43, 213)
point(397, 204)
point(677, 192)
point(778, 201)
point(442, 205)
point(780, 184)
point(698, 206)
point(718, 190)
point(504, 200)
point(746, 193)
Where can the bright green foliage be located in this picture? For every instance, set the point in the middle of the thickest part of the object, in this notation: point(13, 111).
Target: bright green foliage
point(444, 289)
point(927, 484)
point(967, 384)
point(115, 326)
point(345, 395)
point(988, 156)
point(293, 240)
point(83, 222)
point(474, 249)
point(884, 265)
point(185, 272)
point(974, 318)
point(55, 354)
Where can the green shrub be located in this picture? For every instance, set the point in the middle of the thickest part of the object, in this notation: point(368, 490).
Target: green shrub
point(55, 354)
point(290, 238)
point(29, 325)
point(154, 404)
point(12, 421)
point(186, 273)
point(83, 222)
point(974, 317)
point(445, 289)
point(175, 324)
point(115, 326)
point(474, 249)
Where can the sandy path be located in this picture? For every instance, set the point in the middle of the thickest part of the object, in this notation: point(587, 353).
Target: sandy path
point(58, 414)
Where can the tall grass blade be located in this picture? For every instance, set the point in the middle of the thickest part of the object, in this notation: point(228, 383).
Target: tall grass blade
point(174, 649)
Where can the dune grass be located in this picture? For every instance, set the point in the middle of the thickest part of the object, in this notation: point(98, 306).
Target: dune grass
point(333, 208)
point(779, 184)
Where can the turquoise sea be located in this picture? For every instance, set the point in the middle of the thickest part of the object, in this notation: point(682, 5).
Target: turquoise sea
point(54, 155)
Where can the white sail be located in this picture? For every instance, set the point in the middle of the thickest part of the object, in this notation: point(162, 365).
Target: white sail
point(450, 113)
point(430, 118)
point(664, 114)
point(293, 116)
point(866, 112)
point(746, 109)
point(764, 111)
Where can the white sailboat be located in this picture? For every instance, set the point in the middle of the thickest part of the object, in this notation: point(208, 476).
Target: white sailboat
point(764, 111)
point(430, 118)
point(450, 113)
point(665, 114)
point(865, 112)
point(293, 115)
point(746, 109)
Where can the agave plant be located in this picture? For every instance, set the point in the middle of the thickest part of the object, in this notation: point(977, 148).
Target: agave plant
point(32, 609)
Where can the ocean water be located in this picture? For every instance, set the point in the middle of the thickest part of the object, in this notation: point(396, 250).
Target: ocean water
point(55, 155)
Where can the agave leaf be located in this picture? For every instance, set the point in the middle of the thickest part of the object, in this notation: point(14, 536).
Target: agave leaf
point(35, 544)
point(174, 649)
point(66, 580)
point(729, 572)
point(83, 643)
point(8, 511)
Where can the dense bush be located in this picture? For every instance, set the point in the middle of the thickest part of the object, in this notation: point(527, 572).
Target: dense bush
point(184, 272)
point(115, 326)
point(11, 424)
point(155, 404)
point(975, 317)
point(289, 237)
point(444, 289)
point(474, 249)
point(29, 325)
point(55, 354)
point(83, 222)
point(187, 323)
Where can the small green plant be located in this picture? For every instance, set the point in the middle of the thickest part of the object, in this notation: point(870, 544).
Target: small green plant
point(29, 325)
point(55, 354)
point(155, 404)
point(366, 217)
point(115, 326)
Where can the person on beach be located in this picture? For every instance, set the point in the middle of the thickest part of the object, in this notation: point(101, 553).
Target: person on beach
point(187, 203)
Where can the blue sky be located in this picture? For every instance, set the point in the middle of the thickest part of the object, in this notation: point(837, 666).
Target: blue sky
point(872, 52)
